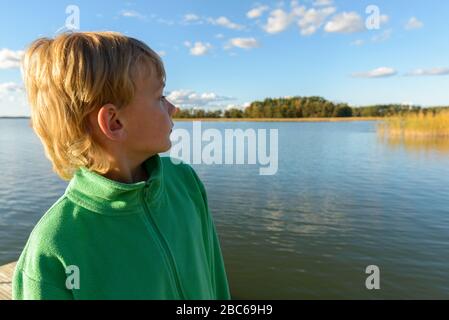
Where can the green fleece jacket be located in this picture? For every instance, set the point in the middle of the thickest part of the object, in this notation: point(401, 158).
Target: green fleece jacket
point(103, 239)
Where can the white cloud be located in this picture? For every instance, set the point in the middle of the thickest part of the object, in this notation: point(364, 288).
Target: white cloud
point(256, 12)
point(381, 72)
point(132, 14)
point(233, 106)
point(199, 48)
point(294, 3)
point(384, 36)
point(278, 21)
point(346, 22)
point(162, 53)
point(7, 88)
point(191, 17)
point(312, 19)
point(13, 100)
point(10, 59)
point(319, 3)
point(189, 98)
point(137, 15)
point(165, 21)
point(308, 20)
point(358, 43)
point(225, 22)
point(384, 19)
point(429, 72)
point(413, 23)
point(245, 43)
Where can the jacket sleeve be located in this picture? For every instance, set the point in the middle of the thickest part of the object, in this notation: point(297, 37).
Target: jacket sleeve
point(218, 271)
point(39, 274)
point(27, 288)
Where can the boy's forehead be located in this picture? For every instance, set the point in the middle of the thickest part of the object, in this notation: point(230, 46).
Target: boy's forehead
point(148, 76)
point(152, 80)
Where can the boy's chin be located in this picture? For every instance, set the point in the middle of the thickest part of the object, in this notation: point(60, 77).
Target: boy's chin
point(166, 147)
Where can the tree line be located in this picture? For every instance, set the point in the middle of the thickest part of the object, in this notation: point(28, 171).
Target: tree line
point(304, 107)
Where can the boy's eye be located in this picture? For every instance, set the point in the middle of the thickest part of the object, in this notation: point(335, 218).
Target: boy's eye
point(162, 98)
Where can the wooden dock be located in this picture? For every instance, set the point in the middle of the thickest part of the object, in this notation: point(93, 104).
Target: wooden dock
point(6, 273)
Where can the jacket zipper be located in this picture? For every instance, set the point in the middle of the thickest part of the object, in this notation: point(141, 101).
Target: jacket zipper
point(164, 246)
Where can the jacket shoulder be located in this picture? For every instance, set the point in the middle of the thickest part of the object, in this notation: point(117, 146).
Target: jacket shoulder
point(52, 234)
point(179, 171)
point(177, 166)
point(53, 222)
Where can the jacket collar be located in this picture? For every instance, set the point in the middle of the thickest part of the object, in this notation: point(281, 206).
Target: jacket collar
point(104, 196)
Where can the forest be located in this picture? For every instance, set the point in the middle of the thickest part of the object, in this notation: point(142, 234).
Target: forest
point(306, 107)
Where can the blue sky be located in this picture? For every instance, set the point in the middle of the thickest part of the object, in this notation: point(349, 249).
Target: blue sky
point(220, 54)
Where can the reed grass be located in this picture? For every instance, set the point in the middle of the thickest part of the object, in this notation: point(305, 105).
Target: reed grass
point(419, 126)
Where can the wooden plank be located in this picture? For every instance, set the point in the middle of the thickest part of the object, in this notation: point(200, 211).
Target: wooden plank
point(6, 273)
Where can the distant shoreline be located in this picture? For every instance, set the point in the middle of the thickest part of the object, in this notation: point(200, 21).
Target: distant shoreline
point(15, 117)
point(335, 119)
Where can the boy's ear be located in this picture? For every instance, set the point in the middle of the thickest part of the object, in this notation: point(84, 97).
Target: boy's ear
point(110, 123)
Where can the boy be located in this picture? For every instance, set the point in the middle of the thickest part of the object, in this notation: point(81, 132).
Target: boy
point(131, 224)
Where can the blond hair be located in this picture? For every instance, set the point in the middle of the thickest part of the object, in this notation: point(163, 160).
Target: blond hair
point(68, 77)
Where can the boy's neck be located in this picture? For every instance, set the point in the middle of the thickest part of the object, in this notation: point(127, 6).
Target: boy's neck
point(128, 175)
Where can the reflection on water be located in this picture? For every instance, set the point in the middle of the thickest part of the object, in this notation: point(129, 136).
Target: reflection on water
point(426, 144)
point(341, 200)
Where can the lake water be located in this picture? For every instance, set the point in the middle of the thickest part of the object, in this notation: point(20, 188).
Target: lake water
point(341, 200)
